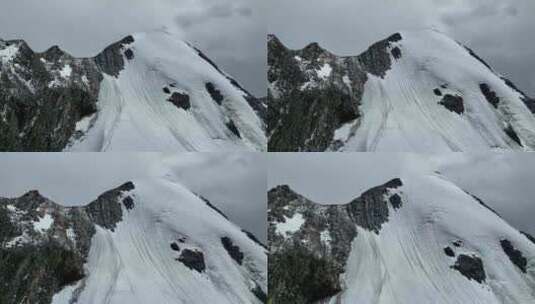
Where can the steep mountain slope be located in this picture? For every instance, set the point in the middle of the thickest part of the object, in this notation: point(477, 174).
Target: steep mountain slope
point(412, 240)
point(145, 241)
point(148, 92)
point(414, 91)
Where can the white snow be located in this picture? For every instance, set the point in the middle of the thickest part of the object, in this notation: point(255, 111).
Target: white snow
point(325, 71)
point(44, 223)
point(8, 53)
point(134, 114)
point(290, 225)
point(135, 264)
point(402, 113)
point(405, 262)
point(66, 71)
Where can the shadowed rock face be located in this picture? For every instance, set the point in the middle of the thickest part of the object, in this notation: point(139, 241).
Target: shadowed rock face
point(305, 108)
point(193, 259)
point(233, 250)
point(470, 267)
point(453, 103)
point(44, 95)
point(514, 255)
point(38, 263)
point(306, 264)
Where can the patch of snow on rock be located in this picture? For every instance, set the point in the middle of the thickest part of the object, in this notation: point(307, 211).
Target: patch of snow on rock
point(44, 223)
point(291, 224)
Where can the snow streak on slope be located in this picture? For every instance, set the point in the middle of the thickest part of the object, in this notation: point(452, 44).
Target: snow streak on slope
point(138, 261)
point(169, 98)
point(402, 112)
point(406, 262)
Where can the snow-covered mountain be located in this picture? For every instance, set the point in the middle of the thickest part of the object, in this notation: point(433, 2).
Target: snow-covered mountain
point(415, 239)
point(414, 91)
point(148, 92)
point(147, 241)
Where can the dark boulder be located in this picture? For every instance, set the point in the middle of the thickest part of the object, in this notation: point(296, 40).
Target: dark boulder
point(395, 200)
point(437, 92)
point(471, 267)
point(232, 250)
point(396, 52)
point(453, 103)
point(490, 95)
point(180, 100)
point(514, 255)
point(449, 252)
point(174, 246)
point(214, 93)
point(512, 134)
point(232, 127)
point(193, 259)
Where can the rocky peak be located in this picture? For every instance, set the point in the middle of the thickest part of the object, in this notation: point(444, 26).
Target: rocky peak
point(111, 60)
point(106, 211)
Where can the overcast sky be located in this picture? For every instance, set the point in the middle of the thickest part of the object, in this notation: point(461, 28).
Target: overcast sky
point(503, 181)
point(231, 32)
point(235, 183)
point(500, 31)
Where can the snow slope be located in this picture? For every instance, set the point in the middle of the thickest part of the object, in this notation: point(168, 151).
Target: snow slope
point(134, 113)
point(406, 263)
point(402, 112)
point(135, 263)
point(417, 91)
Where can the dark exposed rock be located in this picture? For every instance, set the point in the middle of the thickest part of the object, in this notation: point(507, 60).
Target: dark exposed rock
point(232, 127)
point(35, 270)
point(396, 52)
point(129, 54)
point(298, 276)
point(514, 255)
point(437, 92)
point(106, 210)
point(482, 203)
point(208, 60)
point(233, 250)
point(376, 60)
point(529, 102)
point(214, 93)
point(473, 54)
point(209, 204)
point(449, 252)
point(193, 259)
point(259, 294)
point(395, 200)
point(471, 267)
point(180, 100)
point(128, 202)
point(166, 90)
point(457, 243)
point(254, 238)
point(489, 95)
point(529, 236)
point(453, 103)
point(175, 247)
point(111, 59)
point(512, 134)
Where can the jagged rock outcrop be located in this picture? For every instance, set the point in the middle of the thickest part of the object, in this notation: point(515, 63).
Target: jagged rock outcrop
point(306, 239)
point(44, 246)
point(319, 101)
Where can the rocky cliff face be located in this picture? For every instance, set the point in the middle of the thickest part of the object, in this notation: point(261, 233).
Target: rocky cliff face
point(310, 243)
point(43, 96)
point(319, 101)
point(44, 246)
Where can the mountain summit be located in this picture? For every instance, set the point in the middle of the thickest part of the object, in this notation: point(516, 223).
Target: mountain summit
point(146, 241)
point(147, 92)
point(414, 91)
point(415, 239)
